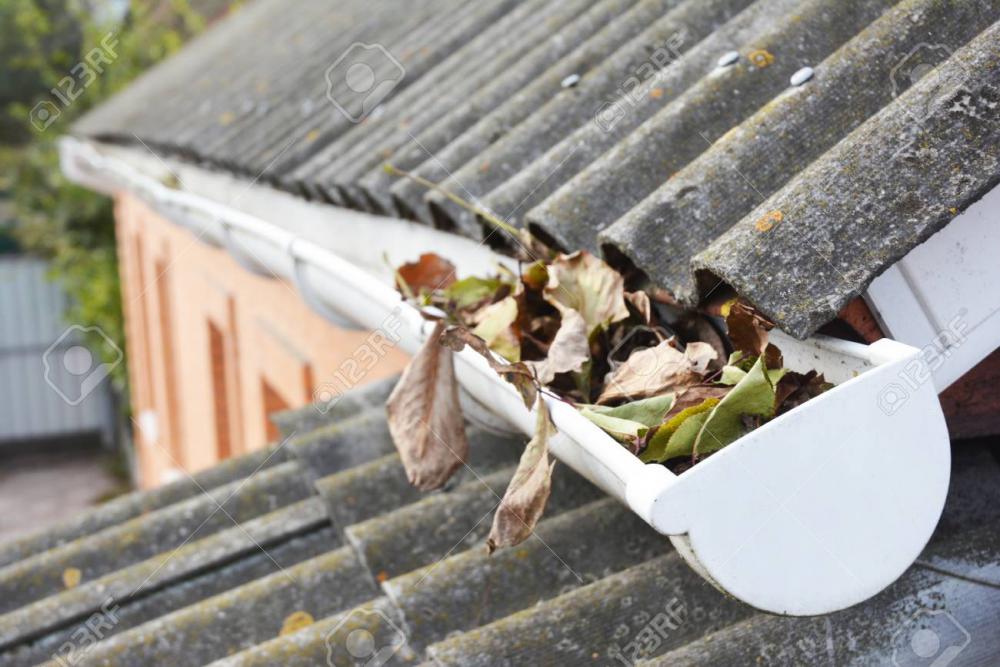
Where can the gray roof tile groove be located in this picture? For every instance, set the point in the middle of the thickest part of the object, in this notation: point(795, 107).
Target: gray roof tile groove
point(782, 138)
point(135, 611)
point(129, 506)
point(661, 162)
point(959, 108)
point(699, 116)
point(143, 537)
point(594, 585)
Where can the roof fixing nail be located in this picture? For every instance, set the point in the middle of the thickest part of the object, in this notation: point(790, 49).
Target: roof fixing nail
point(802, 76)
point(570, 81)
point(729, 58)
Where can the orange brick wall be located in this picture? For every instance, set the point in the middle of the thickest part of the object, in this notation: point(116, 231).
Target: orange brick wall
point(190, 405)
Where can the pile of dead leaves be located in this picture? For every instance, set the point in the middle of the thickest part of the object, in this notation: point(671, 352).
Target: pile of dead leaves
point(660, 380)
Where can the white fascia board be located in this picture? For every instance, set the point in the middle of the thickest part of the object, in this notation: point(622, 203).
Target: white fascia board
point(801, 516)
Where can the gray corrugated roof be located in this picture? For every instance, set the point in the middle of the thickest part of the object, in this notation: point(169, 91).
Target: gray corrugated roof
point(500, 102)
point(326, 537)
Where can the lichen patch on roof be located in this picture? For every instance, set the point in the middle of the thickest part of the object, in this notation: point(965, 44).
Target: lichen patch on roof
point(684, 120)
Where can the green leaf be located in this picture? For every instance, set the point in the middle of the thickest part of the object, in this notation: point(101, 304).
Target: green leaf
point(732, 375)
point(752, 396)
point(624, 430)
point(683, 440)
point(663, 446)
point(647, 411)
point(468, 292)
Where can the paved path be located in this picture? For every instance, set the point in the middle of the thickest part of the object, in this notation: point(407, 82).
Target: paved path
point(39, 490)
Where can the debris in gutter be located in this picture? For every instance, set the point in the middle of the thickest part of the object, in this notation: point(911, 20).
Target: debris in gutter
point(657, 378)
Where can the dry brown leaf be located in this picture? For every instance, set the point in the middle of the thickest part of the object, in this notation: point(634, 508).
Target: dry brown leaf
point(569, 350)
point(584, 283)
point(657, 370)
point(528, 491)
point(425, 419)
point(747, 329)
point(640, 301)
point(431, 272)
point(518, 374)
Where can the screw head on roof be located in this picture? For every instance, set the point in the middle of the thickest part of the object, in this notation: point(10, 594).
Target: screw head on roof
point(570, 81)
point(729, 58)
point(802, 76)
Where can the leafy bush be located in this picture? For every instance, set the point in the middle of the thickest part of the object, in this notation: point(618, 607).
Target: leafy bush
point(40, 42)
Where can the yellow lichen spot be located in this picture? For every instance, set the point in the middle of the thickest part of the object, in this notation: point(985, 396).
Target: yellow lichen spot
point(295, 622)
point(769, 220)
point(761, 58)
point(71, 577)
point(382, 577)
point(656, 93)
point(953, 210)
point(226, 118)
point(312, 135)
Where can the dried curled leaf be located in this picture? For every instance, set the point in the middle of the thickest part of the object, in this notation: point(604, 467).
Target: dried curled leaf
point(584, 283)
point(568, 352)
point(794, 389)
point(425, 419)
point(429, 273)
point(657, 370)
point(495, 324)
point(528, 491)
point(748, 332)
point(518, 374)
point(640, 301)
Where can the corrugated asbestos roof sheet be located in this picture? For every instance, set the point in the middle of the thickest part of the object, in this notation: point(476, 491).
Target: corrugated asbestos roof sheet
point(319, 552)
point(684, 136)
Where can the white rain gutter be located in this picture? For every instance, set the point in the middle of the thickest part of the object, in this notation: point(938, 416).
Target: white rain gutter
point(815, 511)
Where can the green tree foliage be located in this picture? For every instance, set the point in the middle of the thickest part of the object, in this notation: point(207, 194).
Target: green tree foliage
point(41, 41)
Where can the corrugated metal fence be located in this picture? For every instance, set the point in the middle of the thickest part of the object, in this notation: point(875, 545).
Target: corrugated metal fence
point(50, 386)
